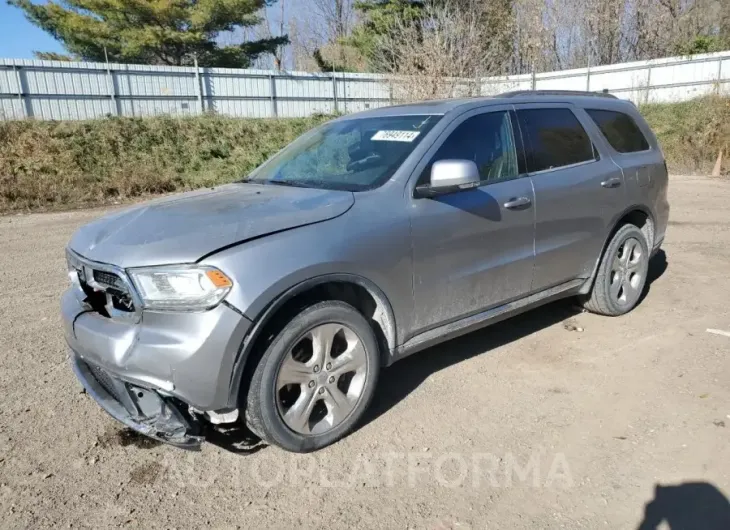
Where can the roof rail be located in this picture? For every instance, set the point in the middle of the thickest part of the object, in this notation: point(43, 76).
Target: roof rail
point(518, 93)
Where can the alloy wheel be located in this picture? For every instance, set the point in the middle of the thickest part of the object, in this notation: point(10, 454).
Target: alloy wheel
point(626, 277)
point(321, 379)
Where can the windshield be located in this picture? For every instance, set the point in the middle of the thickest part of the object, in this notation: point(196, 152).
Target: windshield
point(352, 155)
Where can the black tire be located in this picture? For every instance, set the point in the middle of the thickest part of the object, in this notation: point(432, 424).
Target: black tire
point(606, 295)
point(263, 414)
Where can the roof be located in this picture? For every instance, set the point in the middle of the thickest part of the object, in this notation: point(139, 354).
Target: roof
point(444, 106)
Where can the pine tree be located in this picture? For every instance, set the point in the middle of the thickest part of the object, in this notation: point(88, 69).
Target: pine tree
point(169, 32)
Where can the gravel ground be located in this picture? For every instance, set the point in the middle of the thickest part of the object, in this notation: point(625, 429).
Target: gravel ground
point(555, 418)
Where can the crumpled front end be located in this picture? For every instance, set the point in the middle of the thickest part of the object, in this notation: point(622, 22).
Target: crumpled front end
point(141, 409)
point(158, 372)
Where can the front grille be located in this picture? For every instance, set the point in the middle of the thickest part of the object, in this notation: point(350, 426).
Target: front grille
point(114, 293)
point(105, 288)
point(110, 280)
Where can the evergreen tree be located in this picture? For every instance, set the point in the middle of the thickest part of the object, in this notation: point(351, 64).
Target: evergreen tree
point(171, 32)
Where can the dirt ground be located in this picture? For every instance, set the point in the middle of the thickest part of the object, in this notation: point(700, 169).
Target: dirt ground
point(554, 419)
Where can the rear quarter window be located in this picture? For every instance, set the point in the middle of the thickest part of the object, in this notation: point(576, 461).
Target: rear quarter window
point(620, 130)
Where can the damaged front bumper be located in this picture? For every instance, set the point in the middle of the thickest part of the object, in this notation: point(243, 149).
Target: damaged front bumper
point(141, 409)
point(165, 374)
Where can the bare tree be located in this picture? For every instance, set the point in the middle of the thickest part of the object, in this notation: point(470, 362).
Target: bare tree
point(337, 17)
point(305, 41)
point(276, 27)
point(319, 30)
point(537, 25)
point(560, 34)
point(441, 55)
point(490, 37)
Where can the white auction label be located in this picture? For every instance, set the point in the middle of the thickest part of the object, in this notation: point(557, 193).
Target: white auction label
point(395, 136)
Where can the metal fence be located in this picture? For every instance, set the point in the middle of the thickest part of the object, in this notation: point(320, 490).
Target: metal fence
point(55, 90)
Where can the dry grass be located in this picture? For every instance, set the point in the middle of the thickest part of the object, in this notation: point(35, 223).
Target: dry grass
point(691, 133)
point(53, 165)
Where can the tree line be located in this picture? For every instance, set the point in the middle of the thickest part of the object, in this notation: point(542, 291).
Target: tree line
point(432, 39)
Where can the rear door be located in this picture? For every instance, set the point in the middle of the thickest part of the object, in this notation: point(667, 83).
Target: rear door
point(627, 144)
point(633, 147)
point(577, 187)
point(473, 249)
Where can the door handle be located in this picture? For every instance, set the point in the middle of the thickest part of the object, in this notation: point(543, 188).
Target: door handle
point(614, 182)
point(519, 202)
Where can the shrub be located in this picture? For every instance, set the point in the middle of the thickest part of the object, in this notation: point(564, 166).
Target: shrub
point(49, 164)
point(691, 133)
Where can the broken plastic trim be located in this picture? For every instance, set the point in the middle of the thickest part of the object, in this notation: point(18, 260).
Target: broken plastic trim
point(166, 423)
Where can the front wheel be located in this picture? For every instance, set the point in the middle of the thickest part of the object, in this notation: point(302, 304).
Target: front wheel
point(621, 274)
point(315, 380)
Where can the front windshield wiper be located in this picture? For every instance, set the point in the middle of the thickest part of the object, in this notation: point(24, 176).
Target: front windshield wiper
point(290, 183)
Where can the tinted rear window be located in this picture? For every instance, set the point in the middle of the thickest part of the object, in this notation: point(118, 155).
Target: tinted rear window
point(554, 138)
point(620, 130)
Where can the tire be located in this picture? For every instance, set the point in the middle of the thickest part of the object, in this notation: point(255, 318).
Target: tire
point(315, 380)
point(621, 274)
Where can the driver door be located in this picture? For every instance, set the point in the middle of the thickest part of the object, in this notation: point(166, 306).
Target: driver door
point(474, 249)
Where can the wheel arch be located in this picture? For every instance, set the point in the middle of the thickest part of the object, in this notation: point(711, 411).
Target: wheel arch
point(358, 291)
point(640, 216)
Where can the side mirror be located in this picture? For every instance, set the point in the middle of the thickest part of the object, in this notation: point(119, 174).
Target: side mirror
point(449, 176)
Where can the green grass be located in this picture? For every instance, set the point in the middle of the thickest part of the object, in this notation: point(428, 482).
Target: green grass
point(55, 165)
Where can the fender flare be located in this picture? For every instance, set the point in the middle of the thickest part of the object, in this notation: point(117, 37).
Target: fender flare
point(384, 309)
point(614, 226)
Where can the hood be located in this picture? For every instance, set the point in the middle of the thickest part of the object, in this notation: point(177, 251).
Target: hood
point(183, 228)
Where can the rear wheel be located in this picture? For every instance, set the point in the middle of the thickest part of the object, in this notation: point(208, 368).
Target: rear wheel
point(621, 274)
point(315, 380)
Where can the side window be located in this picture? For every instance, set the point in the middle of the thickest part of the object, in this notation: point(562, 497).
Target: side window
point(486, 139)
point(554, 138)
point(620, 130)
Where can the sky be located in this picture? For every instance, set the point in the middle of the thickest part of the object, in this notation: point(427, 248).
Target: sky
point(19, 38)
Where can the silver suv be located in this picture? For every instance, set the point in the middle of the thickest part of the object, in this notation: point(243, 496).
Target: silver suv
point(275, 301)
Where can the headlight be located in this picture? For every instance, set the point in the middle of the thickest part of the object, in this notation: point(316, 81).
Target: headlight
point(74, 266)
point(181, 287)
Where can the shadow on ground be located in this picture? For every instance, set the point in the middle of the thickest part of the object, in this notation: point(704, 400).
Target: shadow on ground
point(237, 439)
point(687, 506)
point(657, 266)
point(399, 380)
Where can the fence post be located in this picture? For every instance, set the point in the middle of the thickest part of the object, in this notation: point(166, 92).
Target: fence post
point(272, 96)
point(588, 78)
point(534, 80)
point(648, 84)
point(21, 96)
point(199, 91)
point(719, 75)
point(344, 92)
point(112, 90)
point(110, 80)
point(334, 91)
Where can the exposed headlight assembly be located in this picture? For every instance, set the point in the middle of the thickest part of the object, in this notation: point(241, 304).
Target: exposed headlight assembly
point(180, 287)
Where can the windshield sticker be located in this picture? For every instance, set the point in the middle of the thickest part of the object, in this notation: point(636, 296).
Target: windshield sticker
point(395, 136)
